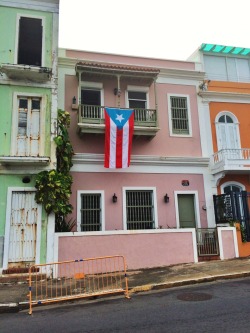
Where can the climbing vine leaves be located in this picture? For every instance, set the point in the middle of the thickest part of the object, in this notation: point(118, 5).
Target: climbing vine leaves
point(54, 186)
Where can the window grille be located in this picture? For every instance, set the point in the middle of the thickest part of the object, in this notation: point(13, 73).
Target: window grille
point(179, 115)
point(91, 212)
point(140, 210)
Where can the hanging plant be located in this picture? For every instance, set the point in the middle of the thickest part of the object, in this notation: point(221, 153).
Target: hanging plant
point(54, 186)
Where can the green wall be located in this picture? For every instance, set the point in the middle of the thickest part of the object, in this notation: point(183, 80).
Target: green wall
point(6, 107)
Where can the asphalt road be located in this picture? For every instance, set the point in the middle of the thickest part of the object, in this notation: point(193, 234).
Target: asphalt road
point(221, 306)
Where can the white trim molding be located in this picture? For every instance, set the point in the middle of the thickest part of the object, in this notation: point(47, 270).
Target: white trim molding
point(8, 221)
point(16, 96)
point(190, 134)
point(43, 19)
point(153, 189)
point(45, 5)
point(196, 207)
point(102, 201)
point(236, 250)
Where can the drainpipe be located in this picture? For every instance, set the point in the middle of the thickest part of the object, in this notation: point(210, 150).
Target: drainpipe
point(79, 87)
point(156, 102)
point(118, 91)
point(79, 96)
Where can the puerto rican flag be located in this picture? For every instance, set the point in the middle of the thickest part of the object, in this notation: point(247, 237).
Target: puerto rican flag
point(119, 128)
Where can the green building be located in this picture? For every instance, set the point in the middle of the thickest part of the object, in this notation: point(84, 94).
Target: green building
point(28, 111)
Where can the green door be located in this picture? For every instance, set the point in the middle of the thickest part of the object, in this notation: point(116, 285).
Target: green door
point(186, 210)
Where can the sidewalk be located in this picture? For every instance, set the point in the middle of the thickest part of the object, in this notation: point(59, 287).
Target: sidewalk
point(12, 295)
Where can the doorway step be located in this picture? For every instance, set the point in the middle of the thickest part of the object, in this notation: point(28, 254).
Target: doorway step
point(208, 258)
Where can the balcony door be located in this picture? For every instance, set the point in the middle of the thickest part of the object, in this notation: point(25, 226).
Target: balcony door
point(91, 100)
point(227, 132)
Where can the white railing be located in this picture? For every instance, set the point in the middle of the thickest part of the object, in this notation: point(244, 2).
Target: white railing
point(231, 157)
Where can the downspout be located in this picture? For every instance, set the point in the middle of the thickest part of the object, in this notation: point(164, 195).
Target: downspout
point(79, 97)
point(118, 91)
point(156, 102)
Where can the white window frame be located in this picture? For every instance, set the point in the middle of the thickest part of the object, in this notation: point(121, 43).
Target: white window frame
point(231, 183)
point(153, 189)
point(78, 217)
point(196, 207)
point(235, 122)
point(7, 226)
point(170, 116)
point(131, 88)
point(16, 96)
point(43, 36)
point(92, 86)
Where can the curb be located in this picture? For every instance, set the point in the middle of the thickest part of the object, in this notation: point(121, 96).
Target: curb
point(16, 307)
point(9, 308)
point(168, 285)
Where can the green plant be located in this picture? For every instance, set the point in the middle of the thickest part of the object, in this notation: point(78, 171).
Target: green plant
point(54, 186)
point(53, 192)
point(243, 233)
point(64, 226)
point(64, 149)
point(241, 228)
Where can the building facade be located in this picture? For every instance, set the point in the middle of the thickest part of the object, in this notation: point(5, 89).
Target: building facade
point(28, 112)
point(225, 98)
point(167, 186)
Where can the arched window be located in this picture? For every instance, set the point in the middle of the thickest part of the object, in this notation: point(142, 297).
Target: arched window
point(227, 131)
point(232, 186)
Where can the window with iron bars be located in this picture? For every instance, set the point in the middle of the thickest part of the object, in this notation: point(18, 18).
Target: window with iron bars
point(91, 218)
point(140, 209)
point(179, 115)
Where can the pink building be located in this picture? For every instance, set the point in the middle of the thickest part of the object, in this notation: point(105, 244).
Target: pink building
point(150, 210)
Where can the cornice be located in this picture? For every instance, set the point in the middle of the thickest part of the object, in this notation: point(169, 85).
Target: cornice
point(224, 96)
point(181, 74)
point(42, 5)
point(164, 72)
point(145, 160)
point(67, 62)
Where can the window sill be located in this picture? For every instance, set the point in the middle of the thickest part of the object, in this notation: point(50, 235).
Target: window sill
point(24, 160)
point(26, 72)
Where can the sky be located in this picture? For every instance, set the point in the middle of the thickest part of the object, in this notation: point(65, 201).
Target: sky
point(165, 29)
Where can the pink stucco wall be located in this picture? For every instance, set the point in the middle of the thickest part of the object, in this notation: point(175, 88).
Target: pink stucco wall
point(162, 144)
point(228, 244)
point(114, 182)
point(139, 250)
point(132, 60)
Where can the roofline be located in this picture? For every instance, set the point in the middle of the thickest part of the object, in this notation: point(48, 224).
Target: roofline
point(124, 55)
point(225, 50)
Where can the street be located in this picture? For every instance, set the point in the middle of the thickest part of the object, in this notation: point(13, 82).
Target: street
point(221, 306)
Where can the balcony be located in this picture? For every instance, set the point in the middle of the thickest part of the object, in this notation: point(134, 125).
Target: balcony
point(231, 161)
point(91, 120)
point(26, 72)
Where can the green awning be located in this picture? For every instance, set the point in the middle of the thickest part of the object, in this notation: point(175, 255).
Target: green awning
point(221, 49)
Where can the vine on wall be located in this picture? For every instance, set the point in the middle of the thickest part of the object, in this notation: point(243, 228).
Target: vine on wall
point(54, 186)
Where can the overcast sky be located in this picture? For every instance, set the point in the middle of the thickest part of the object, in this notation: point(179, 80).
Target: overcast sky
point(168, 29)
